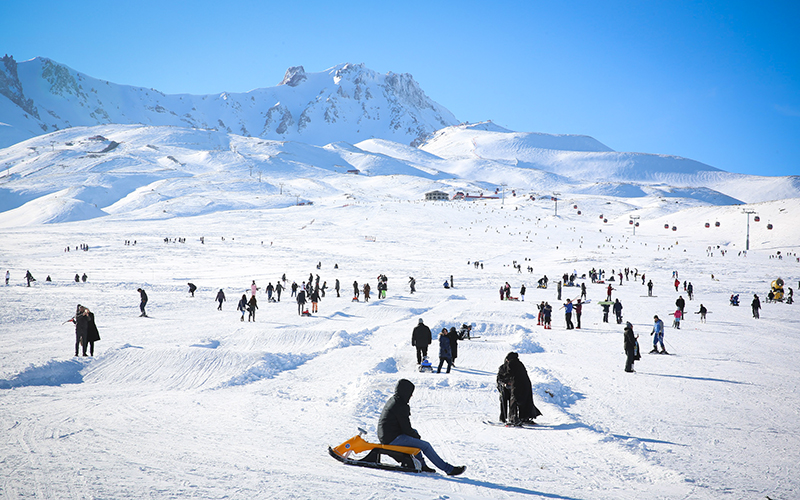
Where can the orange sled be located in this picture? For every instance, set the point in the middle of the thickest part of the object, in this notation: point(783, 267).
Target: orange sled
point(402, 455)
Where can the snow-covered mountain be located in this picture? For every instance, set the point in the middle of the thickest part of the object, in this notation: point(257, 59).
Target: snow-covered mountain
point(348, 102)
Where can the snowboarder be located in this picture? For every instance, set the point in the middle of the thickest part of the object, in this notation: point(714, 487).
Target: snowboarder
point(29, 277)
point(394, 428)
point(421, 339)
point(445, 352)
point(220, 299)
point(658, 335)
point(514, 376)
point(756, 305)
point(631, 347)
point(242, 306)
point(192, 288)
point(252, 305)
point(143, 303)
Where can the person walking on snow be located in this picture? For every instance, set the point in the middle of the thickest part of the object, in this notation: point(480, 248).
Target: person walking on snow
point(649, 288)
point(756, 305)
point(677, 322)
point(522, 293)
point(578, 311)
point(568, 314)
point(253, 288)
point(220, 299)
point(252, 305)
point(445, 351)
point(618, 311)
point(242, 306)
point(394, 428)
point(608, 292)
point(658, 336)
point(421, 339)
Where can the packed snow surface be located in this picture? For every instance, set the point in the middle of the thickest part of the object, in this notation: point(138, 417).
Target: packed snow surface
point(193, 402)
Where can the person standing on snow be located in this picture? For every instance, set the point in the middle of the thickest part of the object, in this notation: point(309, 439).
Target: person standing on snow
point(522, 293)
point(294, 289)
point(301, 301)
point(356, 292)
point(608, 292)
point(578, 311)
point(394, 428)
point(702, 312)
point(756, 305)
point(618, 311)
point(521, 408)
point(220, 299)
point(336, 287)
point(631, 347)
point(278, 290)
point(677, 284)
point(192, 288)
point(658, 335)
point(681, 304)
point(253, 288)
point(143, 303)
point(453, 336)
point(366, 292)
point(445, 351)
point(649, 288)
point(568, 314)
point(421, 339)
point(8, 277)
point(314, 300)
point(583, 291)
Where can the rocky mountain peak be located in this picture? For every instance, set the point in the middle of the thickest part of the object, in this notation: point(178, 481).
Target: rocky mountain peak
point(294, 76)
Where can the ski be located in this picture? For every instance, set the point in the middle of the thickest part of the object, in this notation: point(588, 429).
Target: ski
point(521, 426)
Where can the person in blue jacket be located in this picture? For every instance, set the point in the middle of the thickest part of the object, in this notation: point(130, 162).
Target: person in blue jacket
point(658, 336)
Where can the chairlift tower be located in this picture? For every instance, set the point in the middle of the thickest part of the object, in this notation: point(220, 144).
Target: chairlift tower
point(747, 242)
point(555, 199)
point(635, 219)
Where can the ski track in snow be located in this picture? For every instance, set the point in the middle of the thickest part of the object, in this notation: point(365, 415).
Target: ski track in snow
point(192, 402)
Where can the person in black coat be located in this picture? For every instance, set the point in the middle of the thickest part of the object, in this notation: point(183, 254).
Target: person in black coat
point(394, 428)
point(453, 336)
point(631, 347)
point(220, 299)
point(192, 288)
point(618, 311)
point(504, 386)
point(521, 408)
point(252, 305)
point(445, 354)
point(301, 302)
point(421, 339)
point(81, 320)
point(143, 302)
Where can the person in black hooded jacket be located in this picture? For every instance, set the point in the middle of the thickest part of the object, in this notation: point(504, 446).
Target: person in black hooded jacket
point(394, 428)
point(521, 408)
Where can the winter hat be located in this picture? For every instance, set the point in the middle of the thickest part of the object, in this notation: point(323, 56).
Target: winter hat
point(420, 321)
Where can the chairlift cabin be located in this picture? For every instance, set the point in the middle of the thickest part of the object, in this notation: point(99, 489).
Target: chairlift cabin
point(666, 226)
point(716, 224)
point(605, 220)
point(637, 224)
point(579, 212)
point(630, 221)
point(769, 226)
point(708, 225)
point(601, 216)
point(674, 228)
point(575, 206)
point(756, 219)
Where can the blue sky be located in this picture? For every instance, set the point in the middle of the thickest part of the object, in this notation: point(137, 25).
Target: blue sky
point(714, 81)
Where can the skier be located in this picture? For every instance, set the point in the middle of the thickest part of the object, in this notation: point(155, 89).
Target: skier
point(220, 299)
point(631, 347)
point(242, 306)
point(504, 387)
point(681, 304)
point(252, 305)
point(568, 314)
point(658, 335)
point(702, 312)
point(421, 339)
point(394, 428)
point(618, 311)
point(514, 376)
point(756, 305)
point(192, 288)
point(445, 352)
point(143, 302)
point(678, 314)
point(81, 320)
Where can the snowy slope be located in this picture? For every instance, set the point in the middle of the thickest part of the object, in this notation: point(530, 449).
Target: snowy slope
point(347, 102)
point(194, 402)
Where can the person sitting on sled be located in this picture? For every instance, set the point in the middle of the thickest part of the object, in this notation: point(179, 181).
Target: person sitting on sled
point(394, 428)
